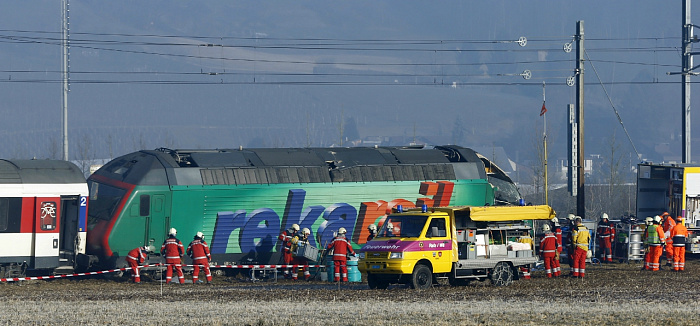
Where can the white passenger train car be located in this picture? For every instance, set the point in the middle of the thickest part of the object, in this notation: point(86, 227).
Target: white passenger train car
point(43, 216)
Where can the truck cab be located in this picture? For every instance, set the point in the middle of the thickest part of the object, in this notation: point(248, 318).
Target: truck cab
point(465, 243)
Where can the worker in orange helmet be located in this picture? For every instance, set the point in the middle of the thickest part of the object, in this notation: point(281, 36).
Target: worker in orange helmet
point(286, 238)
point(340, 247)
point(606, 237)
point(548, 249)
point(556, 229)
point(134, 258)
point(198, 250)
point(668, 224)
point(679, 234)
point(580, 240)
point(655, 240)
point(173, 251)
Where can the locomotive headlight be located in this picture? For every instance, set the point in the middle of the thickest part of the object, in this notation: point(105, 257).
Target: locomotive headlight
point(396, 255)
point(361, 255)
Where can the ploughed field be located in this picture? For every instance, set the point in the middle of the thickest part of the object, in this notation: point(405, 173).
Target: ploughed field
point(609, 294)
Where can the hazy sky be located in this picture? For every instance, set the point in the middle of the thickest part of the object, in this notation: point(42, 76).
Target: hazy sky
point(147, 74)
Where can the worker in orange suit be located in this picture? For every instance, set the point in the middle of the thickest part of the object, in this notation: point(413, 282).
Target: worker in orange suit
point(173, 251)
point(134, 258)
point(548, 249)
point(341, 247)
point(668, 224)
point(655, 240)
point(679, 234)
point(581, 239)
point(198, 250)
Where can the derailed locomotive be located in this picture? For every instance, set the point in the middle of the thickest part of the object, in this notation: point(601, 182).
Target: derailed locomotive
point(43, 217)
point(241, 199)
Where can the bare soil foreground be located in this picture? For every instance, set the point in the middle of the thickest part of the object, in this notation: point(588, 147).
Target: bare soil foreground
point(610, 294)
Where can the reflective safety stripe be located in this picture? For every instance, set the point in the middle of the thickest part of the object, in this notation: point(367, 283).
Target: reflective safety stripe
point(679, 241)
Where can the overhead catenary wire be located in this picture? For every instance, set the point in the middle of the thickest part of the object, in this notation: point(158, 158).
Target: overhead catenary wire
point(617, 114)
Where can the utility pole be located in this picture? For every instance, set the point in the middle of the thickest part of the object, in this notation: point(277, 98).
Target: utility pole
point(66, 64)
point(686, 72)
point(580, 194)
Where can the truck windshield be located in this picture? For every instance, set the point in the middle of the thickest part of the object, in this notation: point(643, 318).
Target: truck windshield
point(403, 226)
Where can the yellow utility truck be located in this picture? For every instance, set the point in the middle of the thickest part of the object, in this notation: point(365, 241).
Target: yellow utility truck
point(418, 246)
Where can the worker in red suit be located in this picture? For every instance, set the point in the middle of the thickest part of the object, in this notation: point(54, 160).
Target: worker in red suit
point(198, 250)
point(606, 237)
point(134, 258)
point(679, 233)
point(667, 224)
point(548, 249)
point(341, 247)
point(301, 239)
point(556, 229)
point(286, 238)
point(173, 251)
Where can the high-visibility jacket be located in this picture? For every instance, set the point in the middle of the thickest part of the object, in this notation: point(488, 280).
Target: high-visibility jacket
point(341, 247)
point(606, 230)
point(526, 239)
point(557, 232)
point(137, 254)
point(198, 249)
point(548, 244)
point(172, 248)
point(655, 235)
point(669, 223)
point(679, 233)
point(286, 238)
point(581, 237)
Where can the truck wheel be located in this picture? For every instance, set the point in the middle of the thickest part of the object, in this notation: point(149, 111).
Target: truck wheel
point(502, 274)
point(375, 282)
point(422, 277)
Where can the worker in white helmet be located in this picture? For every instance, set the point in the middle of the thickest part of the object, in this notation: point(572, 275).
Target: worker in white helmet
point(341, 248)
point(299, 242)
point(286, 238)
point(135, 258)
point(372, 232)
point(647, 254)
point(556, 229)
point(548, 250)
point(655, 239)
point(198, 250)
point(606, 237)
point(173, 251)
point(580, 239)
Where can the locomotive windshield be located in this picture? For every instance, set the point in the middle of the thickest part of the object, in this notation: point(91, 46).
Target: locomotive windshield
point(104, 200)
point(403, 226)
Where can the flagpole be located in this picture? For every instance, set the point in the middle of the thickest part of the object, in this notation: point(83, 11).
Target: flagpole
point(544, 116)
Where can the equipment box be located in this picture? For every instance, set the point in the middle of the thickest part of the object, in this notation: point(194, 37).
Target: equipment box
point(307, 251)
point(523, 253)
point(497, 250)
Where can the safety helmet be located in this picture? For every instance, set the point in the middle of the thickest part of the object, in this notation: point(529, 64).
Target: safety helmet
point(679, 219)
point(546, 228)
point(372, 227)
point(305, 231)
point(570, 216)
point(604, 217)
point(145, 248)
point(342, 231)
point(665, 213)
point(389, 226)
point(648, 220)
point(295, 227)
point(555, 220)
point(172, 231)
point(200, 235)
point(578, 219)
point(657, 219)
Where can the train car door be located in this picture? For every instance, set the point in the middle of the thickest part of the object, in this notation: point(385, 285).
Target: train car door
point(68, 245)
point(158, 220)
point(46, 242)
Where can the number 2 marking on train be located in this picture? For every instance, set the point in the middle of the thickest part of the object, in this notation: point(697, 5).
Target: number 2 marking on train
point(83, 201)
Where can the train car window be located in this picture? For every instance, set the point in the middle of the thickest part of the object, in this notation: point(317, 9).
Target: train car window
point(48, 215)
point(4, 215)
point(104, 200)
point(144, 205)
